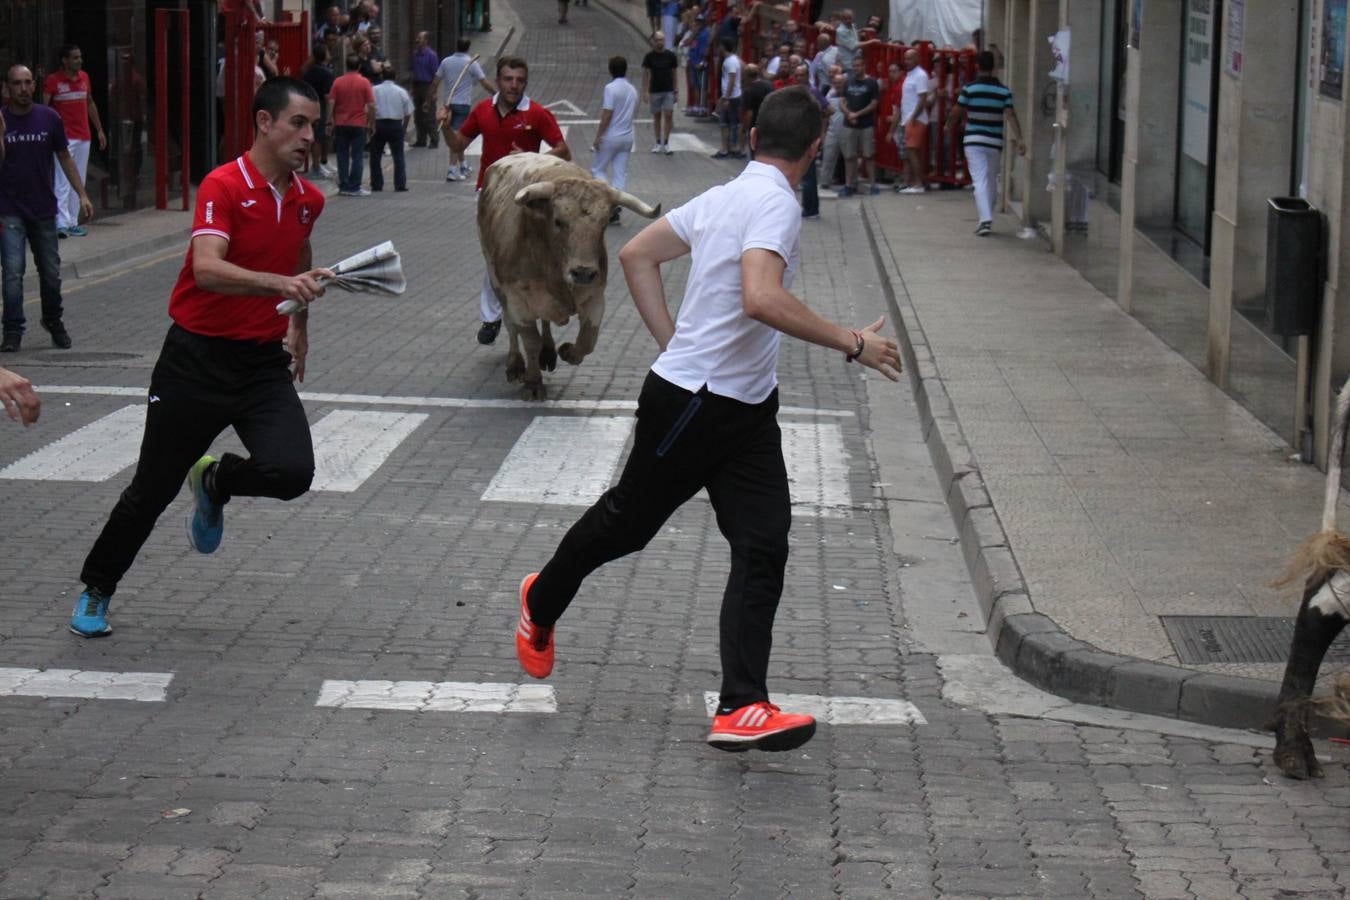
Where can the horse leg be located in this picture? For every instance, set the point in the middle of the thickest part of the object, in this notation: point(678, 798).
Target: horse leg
point(1320, 619)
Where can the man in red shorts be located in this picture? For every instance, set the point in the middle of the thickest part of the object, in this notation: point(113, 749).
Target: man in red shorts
point(509, 123)
point(223, 363)
point(915, 98)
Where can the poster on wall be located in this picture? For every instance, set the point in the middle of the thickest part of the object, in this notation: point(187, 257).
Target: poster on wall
point(1232, 46)
point(1136, 22)
point(1197, 71)
point(1332, 66)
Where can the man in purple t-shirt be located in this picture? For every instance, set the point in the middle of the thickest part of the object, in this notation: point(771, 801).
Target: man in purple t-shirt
point(33, 137)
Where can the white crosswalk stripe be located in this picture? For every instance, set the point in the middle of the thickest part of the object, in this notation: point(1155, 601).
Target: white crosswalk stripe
point(817, 467)
point(350, 446)
point(566, 461)
point(148, 687)
point(840, 710)
point(96, 452)
point(561, 461)
point(439, 696)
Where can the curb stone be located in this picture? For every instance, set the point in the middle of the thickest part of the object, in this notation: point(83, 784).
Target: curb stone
point(1033, 645)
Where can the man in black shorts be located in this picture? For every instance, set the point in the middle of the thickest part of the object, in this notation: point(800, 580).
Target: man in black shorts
point(223, 363)
point(658, 89)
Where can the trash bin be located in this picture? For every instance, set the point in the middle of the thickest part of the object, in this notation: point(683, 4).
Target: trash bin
point(1293, 266)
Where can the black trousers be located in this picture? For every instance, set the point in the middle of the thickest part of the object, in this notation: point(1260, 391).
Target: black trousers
point(423, 119)
point(388, 132)
point(201, 386)
point(686, 441)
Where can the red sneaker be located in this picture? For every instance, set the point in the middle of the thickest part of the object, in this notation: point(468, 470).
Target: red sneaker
point(534, 643)
point(760, 726)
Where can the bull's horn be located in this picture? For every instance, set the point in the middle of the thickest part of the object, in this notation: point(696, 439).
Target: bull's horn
point(540, 190)
point(628, 201)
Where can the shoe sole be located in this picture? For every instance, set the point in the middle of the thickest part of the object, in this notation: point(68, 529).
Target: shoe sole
point(98, 634)
point(778, 742)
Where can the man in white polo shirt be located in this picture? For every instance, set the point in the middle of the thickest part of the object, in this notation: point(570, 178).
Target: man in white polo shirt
point(707, 415)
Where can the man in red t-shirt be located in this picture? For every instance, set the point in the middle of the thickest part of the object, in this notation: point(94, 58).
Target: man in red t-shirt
point(223, 363)
point(352, 99)
point(508, 123)
point(69, 93)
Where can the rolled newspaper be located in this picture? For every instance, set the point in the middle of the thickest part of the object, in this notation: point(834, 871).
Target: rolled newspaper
point(378, 270)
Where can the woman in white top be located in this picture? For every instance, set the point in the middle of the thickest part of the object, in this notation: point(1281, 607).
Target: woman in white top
point(707, 415)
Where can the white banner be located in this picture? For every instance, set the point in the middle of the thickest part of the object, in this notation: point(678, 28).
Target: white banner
point(947, 23)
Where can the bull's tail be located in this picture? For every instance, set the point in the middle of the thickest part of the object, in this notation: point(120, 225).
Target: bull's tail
point(1327, 550)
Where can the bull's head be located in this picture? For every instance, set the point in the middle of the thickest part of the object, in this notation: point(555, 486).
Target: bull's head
point(574, 212)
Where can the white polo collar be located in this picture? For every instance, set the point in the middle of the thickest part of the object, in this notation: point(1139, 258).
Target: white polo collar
point(523, 105)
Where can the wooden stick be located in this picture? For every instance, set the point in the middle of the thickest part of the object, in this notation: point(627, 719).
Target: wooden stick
point(462, 73)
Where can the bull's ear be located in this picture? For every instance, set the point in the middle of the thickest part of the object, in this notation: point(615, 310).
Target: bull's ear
point(536, 196)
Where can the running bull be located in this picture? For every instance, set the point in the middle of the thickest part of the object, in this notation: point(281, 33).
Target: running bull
point(541, 223)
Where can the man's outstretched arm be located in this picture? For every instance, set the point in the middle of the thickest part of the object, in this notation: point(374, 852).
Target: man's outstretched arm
point(766, 300)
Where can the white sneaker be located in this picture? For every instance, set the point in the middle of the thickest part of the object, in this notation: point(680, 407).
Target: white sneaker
point(454, 175)
point(913, 190)
point(656, 148)
point(666, 147)
point(362, 192)
point(465, 169)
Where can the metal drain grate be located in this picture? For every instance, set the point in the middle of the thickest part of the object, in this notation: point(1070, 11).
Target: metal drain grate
point(1240, 639)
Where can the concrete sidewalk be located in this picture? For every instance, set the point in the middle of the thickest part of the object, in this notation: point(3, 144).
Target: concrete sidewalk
point(1100, 482)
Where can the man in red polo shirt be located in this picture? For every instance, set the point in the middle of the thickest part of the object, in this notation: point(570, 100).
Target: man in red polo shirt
point(223, 363)
point(69, 92)
point(508, 123)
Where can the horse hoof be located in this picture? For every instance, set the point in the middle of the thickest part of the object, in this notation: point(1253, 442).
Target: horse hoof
point(548, 359)
point(535, 390)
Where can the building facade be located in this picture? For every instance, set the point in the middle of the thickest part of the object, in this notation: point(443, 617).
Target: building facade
point(1153, 168)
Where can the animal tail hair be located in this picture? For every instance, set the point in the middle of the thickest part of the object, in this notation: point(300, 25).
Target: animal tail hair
point(1327, 550)
point(1316, 559)
point(1336, 705)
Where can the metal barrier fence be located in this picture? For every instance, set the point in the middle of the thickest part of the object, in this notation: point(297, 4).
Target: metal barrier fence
point(949, 71)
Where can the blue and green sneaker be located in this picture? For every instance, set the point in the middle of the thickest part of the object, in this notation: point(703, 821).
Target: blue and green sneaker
point(206, 519)
point(90, 618)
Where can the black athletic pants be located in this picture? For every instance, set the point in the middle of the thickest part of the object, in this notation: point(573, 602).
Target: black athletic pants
point(684, 442)
point(200, 387)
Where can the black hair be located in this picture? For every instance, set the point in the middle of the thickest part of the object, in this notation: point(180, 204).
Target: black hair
point(275, 95)
point(984, 61)
point(321, 54)
point(512, 62)
point(788, 121)
point(618, 66)
point(729, 45)
point(66, 50)
point(462, 45)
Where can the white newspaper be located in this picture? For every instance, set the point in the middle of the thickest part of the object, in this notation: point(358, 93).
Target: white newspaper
point(378, 270)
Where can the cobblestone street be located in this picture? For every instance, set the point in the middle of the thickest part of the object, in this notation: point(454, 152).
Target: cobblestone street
point(330, 705)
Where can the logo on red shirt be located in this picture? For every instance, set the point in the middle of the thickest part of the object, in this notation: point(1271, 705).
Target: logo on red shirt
point(306, 213)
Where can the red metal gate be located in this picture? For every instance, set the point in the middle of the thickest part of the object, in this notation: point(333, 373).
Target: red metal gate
point(243, 31)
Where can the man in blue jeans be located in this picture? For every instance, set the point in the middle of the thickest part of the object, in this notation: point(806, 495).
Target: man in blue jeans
point(33, 137)
point(352, 101)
